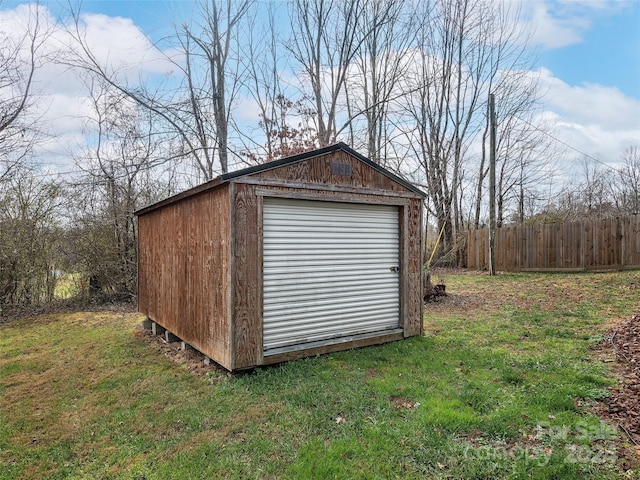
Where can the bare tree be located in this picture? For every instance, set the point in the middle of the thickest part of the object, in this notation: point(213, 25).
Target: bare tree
point(387, 32)
point(463, 50)
point(524, 150)
point(213, 39)
point(29, 233)
point(326, 38)
point(450, 66)
point(590, 198)
point(198, 110)
point(29, 238)
point(594, 190)
point(21, 55)
point(119, 178)
point(523, 144)
point(626, 186)
point(285, 124)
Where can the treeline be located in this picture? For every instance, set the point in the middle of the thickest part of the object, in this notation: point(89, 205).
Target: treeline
point(404, 83)
point(599, 191)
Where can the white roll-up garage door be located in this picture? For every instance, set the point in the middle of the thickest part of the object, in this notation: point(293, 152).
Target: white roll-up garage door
point(330, 271)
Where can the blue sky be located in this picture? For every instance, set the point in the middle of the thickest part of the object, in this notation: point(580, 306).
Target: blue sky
point(608, 52)
point(588, 51)
point(606, 49)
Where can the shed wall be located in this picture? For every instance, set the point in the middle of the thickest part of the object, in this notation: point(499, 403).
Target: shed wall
point(184, 274)
point(411, 235)
point(246, 272)
point(201, 255)
point(313, 180)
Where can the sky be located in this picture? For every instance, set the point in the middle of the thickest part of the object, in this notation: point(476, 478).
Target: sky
point(588, 62)
point(591, 42)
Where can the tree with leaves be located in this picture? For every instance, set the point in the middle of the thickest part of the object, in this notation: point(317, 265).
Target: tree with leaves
point(282, 138)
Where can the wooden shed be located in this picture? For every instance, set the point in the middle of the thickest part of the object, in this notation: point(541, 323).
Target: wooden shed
point(309, 254)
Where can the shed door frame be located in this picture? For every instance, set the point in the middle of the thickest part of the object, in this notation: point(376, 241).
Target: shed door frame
point(396, 201)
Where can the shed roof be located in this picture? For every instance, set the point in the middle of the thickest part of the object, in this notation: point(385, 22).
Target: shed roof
point(226, 177)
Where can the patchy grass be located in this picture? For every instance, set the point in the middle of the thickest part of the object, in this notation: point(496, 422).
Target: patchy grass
point(500, 386)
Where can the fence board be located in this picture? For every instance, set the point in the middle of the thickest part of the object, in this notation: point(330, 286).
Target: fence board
point(602, 244)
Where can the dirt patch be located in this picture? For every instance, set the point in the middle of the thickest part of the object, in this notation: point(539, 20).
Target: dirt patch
point(621, 349)
point(15, 313)
point(191, 359)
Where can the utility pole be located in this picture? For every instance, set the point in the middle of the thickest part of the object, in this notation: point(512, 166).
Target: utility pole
point(492, 184)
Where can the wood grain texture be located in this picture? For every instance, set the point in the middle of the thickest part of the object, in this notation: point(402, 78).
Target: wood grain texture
point(247, 258)
point(413, 253)
point(310, 192)
point(200, 262)
point(610, 243)
point(183, 271)
point(317, 170)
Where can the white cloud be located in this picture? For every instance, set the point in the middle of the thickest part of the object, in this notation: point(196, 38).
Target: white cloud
point(60, 97)
point(596, 120)
point(591, 104)
point(121, 45)
point(552, 32)
point(558, 24)
point(246, 109)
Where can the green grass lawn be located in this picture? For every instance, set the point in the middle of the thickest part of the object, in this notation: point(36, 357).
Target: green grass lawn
point(500, 386)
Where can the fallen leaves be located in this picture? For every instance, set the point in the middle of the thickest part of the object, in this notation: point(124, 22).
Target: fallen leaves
point(623, 404)
point(397, 403)
point(400, 403)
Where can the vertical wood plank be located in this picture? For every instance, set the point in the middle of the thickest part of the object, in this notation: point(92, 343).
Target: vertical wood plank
point(605, 243)
point(413, 309)
point(185, 252)
point(247, 325)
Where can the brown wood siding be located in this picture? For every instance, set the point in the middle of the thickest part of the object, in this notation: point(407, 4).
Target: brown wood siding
point(317, 170)
point(200, 261)
point(602, 244)
point(247, 278)
point(413, 254)
point(184, 271)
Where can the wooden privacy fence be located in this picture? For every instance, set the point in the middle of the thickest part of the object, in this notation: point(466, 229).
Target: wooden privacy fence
point(603, 244)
